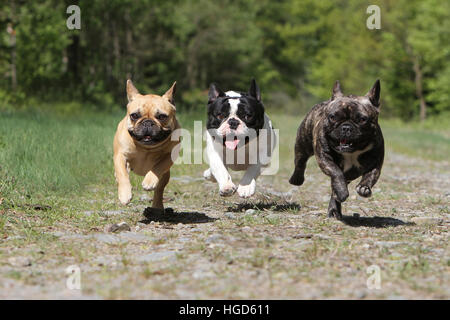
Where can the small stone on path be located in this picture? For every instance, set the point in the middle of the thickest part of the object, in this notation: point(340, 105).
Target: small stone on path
point(118, 227)
point(157, 256)
point(303, 236)
point(229, 215)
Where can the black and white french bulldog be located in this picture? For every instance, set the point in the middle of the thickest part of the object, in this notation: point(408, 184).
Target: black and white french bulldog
point(239, 136)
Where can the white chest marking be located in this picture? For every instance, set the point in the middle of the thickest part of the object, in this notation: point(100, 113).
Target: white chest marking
point(350, 160)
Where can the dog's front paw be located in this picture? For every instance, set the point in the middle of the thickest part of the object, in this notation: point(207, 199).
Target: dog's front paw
point(334, 213)
point(363, 191)
point(228, 189)
point(340, 191)
point(248, 190)
point(341, 194)
point(297, 179)
point(150, 181)
point(125, 195)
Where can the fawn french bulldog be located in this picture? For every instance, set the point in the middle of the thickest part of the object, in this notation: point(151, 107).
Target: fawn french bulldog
point(143, 143)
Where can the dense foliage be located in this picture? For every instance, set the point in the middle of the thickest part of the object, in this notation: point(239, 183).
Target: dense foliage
point(295, 49)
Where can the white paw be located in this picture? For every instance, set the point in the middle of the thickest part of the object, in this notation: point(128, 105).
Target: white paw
point(228, 189)
point(125, 195)
point(208, 175)
point(150, 182)
point(247, 190)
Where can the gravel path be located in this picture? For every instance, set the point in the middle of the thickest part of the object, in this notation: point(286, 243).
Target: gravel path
point(279, 245)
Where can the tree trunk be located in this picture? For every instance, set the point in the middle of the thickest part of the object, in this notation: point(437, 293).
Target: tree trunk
point(13, 63)
point(12, 34)
point(131, 65)
point(419, 88)
point(418, 82)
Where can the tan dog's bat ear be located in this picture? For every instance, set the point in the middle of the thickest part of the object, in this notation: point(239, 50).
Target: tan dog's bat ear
point(132, 92)
point(170, 94)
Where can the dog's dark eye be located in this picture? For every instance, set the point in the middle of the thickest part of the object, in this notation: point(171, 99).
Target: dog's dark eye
point(362, 119)
point(247, 117)
point(332, 117)
point(162, 117)
point(220, 116)
point(134, 116)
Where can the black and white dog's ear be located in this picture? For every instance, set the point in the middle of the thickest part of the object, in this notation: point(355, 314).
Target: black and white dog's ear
point(374, 94)
point(337, 92)
point(254, 90)
point(214, 92)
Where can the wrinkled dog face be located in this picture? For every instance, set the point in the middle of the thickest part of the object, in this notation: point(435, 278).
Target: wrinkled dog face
point(235, 117)
point(351, 121)
point(150, 118)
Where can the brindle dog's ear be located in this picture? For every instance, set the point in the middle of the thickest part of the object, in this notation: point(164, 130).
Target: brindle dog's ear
point(337, 92)
point(170, 94)
point(254, 90)
point(214, 92)
point(374, 94)
point(132, 92)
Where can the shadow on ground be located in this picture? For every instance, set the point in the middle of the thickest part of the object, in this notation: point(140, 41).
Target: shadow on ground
point(171, 216)
point(273, 206)
point(374, 222)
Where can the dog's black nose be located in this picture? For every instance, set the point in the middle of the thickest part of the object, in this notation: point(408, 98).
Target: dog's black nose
point(148, 123)
point(234, 123)
point(346, 130)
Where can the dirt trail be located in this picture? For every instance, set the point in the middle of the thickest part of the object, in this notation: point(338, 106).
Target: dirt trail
point(278, 245)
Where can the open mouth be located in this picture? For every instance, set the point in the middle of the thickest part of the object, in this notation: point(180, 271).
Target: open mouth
point(154, 139)
point(231, 143)
point(148, 140)
point(345, 145)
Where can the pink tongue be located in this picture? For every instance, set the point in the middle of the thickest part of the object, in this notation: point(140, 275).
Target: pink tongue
point(231, 144)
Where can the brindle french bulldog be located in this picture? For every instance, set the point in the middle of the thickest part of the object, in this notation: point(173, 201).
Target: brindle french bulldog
point(344, 135)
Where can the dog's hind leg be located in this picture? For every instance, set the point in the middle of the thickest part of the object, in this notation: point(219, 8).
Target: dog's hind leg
point(302, 154)
point(159, 191)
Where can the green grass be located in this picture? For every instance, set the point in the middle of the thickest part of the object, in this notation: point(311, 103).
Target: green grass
point(42, 154)
point(427, 140)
